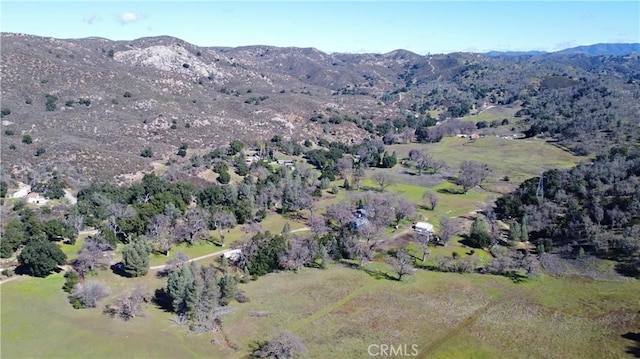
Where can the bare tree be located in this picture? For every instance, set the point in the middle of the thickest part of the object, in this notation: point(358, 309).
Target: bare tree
point(401, 263)
point(368, 239)
point(423, 240)
point(223, 220)
point(88, 294)
point(340, 214)
point(383, 179)
point(285, 346)
point(194, 225)
point(344, 165)
point(358, 175)
point(76, 221)
point(448, 228)
point(431, 199)
point(472, 174)
point(160, 233)
point(421, 159)
point(317, 225)
point(404, 209)
point(95, 252)
point(299, 252)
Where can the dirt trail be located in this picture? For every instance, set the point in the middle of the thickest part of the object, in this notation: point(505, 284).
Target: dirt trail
point(426, 352)
point(162, 266)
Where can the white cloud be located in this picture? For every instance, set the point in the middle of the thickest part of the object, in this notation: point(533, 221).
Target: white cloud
point(90, 19)
point(129, 17)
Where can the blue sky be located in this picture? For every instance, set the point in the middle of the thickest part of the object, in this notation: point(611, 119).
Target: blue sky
point(331, 26)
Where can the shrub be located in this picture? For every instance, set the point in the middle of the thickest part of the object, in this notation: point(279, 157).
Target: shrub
point(84, 101)
point(186, 66)
point(147, 152)
point(5, 112)
point(27, 139)
point(114, 101)
point(8, 132)
point(110, 53)
point(50, 102)
point(28, 101)
point(127, 94)
point(224, 177)
point(7, 272)
point(40, 151)
point(69, 103)
point(12, 146)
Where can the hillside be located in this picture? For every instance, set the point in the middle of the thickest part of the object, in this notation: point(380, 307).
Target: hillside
point(91, 106)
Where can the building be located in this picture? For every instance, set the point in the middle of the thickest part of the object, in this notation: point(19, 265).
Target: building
point(35, 198)
point(233, 254)
point(423, 228)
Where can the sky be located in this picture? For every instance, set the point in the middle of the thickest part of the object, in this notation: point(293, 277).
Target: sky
point(424, 27)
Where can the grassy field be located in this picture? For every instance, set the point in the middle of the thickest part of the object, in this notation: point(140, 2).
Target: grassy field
point(339, 313)
point(494, 113)
point(518, 159)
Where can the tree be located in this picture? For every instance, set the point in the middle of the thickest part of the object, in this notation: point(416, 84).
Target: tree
point(515, 232)
point(224, 177)
point(179, 284)
point(479, 233)
point(235, 146)
point(283, 346)
point(42, 257)
point(383, 179)
point(135, 256)
point(423, 240)
point(421, 160)
point(404, 209)
point(95, 252)
point(128, 307)
point(472, 174)
point(401, 263)
point(87, 295)
point(430, 199)
point(27, 139)
point(447, 229)
point(223, 220)
point(147, 152)
point(194, 225)
point(524, 228)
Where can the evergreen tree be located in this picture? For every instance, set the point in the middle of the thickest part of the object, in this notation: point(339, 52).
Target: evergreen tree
point(228, 288)
point(135, 256)
point(525, 229)
point(346, 184)
point(179, 286)
point(515, 232)
point(286, 229)
point(479, 233)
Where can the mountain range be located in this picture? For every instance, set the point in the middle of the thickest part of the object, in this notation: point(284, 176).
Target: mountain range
point(91, 106)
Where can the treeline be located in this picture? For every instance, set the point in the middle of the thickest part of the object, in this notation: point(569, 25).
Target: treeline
point(593, 207)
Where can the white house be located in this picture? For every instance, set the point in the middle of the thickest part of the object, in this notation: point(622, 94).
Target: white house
point(35, 198)
point(232, 254)
point(423, 228)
